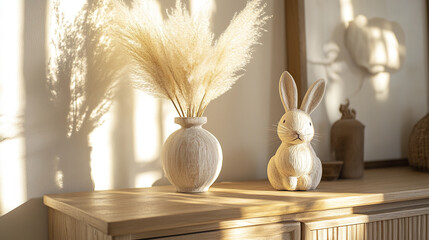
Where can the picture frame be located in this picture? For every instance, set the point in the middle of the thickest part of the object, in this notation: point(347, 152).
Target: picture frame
point(296, 57)
point(296, 61)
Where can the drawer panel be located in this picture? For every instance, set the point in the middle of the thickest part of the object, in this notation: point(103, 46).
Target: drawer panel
point(64, 227)
point(281, 231)
point(406, 224)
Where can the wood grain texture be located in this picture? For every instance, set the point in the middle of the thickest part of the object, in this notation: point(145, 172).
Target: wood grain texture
point(280, 231)
point(161, 210)
point(401, 162)
point(296, 56)
point(191, 156)
point(65, 227)
point(397, 225)
point(348, 220)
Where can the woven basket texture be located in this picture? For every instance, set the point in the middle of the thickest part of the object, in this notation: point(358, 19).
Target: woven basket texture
point(418, 148)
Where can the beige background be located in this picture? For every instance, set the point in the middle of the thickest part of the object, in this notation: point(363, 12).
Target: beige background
point(388, 116)
point(125, 150)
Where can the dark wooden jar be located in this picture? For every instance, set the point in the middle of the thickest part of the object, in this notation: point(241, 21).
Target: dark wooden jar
point(347, 143)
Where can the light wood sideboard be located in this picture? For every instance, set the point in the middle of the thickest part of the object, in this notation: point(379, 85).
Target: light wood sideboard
point(388, 203)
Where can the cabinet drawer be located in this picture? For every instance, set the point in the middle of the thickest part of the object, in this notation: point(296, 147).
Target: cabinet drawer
point(281, 231)
point(398, 224)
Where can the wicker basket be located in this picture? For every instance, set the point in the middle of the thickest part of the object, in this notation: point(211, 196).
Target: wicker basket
point(418, 148)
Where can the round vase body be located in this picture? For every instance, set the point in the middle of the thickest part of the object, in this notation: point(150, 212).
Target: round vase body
point(191, 156)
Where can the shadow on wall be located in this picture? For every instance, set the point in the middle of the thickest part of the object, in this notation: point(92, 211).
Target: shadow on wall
point(57, 153)
point(83, 73)
point(62, 110)
point(141, 123)
point(61, 107)
point(361, 49)
point(28, 221)
point(38, 120)
point(380, 46)
point(138, 133)
point(277, 68)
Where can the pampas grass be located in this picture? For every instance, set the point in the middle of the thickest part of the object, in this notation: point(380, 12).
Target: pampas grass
point(179, 59)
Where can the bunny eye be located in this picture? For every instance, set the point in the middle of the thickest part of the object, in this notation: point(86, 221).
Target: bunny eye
point(310, 123)
point(284, 121)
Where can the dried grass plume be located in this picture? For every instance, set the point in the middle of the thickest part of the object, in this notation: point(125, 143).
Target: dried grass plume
point(178, 58)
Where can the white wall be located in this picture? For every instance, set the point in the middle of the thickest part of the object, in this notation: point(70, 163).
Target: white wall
point(389, 118)
point(242, 120)
point(123, 152)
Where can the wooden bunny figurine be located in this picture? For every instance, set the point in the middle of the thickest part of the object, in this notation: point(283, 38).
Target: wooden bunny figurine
point(295, 165)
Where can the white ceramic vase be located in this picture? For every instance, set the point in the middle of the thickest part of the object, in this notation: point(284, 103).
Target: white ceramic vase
point(191, 156)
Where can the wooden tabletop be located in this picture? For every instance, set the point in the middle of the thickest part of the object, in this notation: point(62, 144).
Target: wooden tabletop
point(118, 212)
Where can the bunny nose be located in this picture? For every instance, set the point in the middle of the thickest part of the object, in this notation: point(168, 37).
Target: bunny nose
point(298, 136)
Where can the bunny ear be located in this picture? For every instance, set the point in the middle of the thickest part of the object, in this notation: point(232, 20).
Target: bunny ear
point(288, 91)
point(314, 96)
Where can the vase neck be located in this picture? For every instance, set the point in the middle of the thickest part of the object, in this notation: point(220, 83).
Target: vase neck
point(188, 122)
